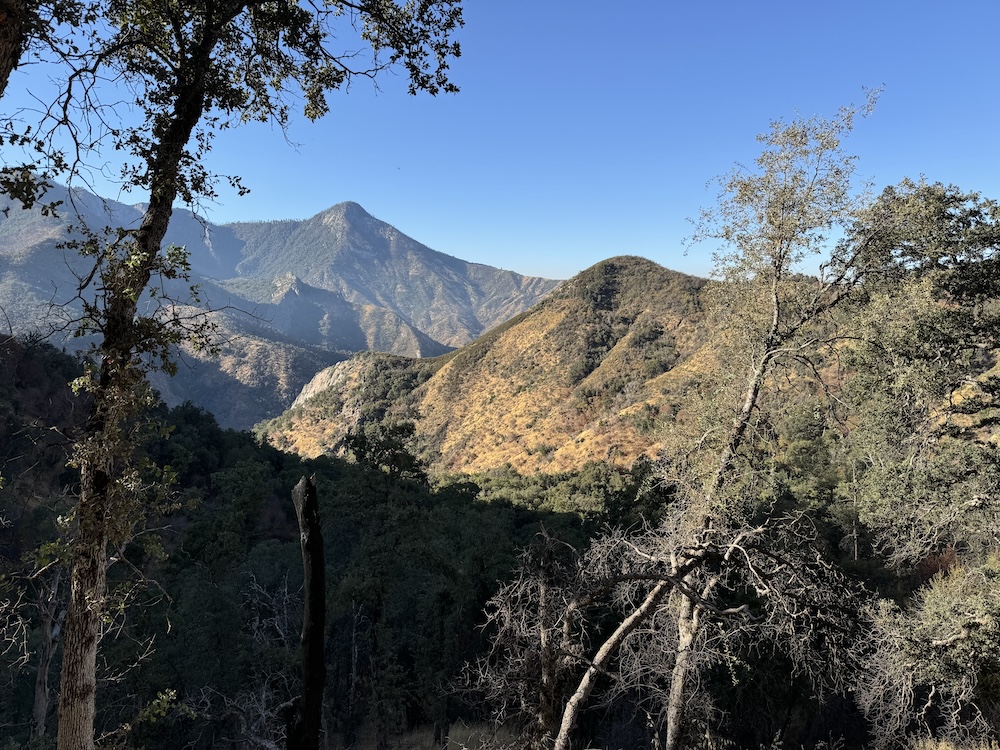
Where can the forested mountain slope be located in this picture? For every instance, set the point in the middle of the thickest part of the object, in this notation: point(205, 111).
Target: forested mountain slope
point(211, 637)
point(590, 374)
point(862, 503)
point(38, 415)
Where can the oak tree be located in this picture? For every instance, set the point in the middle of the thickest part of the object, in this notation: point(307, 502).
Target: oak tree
point(190, 68)
point(924, 463)
point(725, 552)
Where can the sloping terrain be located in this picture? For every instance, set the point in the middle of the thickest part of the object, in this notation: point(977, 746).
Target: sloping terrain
point(589, 374)
point(39, 413)
point(369, 263)
point(287, 297)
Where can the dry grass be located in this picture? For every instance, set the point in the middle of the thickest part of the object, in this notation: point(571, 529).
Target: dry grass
point(929, 744)
point(548, 392)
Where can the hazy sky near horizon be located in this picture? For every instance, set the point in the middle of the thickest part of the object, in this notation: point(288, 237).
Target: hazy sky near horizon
point(585, 130)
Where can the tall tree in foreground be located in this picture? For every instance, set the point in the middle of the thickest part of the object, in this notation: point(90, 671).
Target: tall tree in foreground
point(194, 67)
point(727, 552)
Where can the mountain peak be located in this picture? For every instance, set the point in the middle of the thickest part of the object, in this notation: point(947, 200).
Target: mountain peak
point(349, 206)
point(348, 211)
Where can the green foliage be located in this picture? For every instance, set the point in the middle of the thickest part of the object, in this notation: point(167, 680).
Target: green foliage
point(191, 68)
point(598, 287)
point(938, 673)
point(922, 374)
point(410, 568)
point(386, 447)
point(870, 432)
point(387, 382)
point(598, 493)
point(616, 296)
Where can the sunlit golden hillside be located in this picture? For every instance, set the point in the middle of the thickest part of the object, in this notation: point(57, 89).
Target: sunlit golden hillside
point(590, 374)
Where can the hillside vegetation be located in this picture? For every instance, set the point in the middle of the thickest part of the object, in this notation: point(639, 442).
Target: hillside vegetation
point(209, 648)
point(651, 511)
point(593, 373)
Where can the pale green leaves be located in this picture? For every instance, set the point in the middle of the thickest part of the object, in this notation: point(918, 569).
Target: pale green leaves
point(790, 206)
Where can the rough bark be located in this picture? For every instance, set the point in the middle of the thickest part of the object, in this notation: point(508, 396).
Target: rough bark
point(304, 731)
point(14, 16)
point(88, 586)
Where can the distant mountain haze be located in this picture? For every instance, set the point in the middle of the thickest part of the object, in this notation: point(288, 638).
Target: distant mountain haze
point(370, 263)
point(288, 297)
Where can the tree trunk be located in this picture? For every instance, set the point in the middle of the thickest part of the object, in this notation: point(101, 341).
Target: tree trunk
point(51, 617)
point(305, 728)
point(354, 678)
point(102, 448)
point(442, 728)
point(549, 693)
point(13, 39)
point(88, 586)
point(601, 660)
point(687, 628)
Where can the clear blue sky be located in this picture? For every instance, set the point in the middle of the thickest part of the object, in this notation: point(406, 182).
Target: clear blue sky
point(590, 129)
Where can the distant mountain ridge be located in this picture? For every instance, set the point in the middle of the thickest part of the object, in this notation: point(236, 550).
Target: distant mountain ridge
point(290, 295)
point(370, 263)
